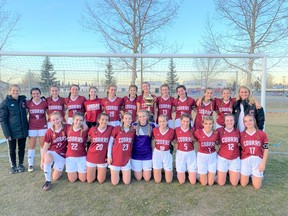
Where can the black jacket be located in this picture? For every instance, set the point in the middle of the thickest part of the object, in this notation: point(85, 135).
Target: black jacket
point(13, 117)
point(249, 109)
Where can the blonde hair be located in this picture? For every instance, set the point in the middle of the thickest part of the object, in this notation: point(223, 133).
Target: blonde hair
point(254, 120)
point(251, 100)
point(74, 116)
point(147, 122)
point(208, 118)
point(57, 113)
point(14, 85)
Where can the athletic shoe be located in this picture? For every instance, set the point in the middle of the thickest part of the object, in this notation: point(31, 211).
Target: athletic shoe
point(30, 169)
point(47, 186)
point(21, 168)
point(13, 170)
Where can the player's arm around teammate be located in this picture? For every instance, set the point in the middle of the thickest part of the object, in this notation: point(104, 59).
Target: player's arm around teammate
point(120, 149)
point(99, 136)
point(162, 157)
point(229, 154)
point(254, 155)
point(185, 154)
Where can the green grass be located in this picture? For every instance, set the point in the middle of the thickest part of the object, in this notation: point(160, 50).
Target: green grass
point(21, 194)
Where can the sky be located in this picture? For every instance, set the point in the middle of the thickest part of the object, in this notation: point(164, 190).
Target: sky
point(53, 26)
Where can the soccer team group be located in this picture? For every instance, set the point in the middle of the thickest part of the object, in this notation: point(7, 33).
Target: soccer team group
point(128, 133)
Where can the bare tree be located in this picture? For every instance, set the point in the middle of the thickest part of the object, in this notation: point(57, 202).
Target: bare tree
point(131, 25)
point(253, 26)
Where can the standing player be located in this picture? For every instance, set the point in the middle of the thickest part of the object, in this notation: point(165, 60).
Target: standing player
point(54, 150)
point(206, 156)
point(229, 153)
point(120, 149)
point(254, 155)
point(74, 102)
point(162, 157)
point(129, 102)
point(164, 104)
point(37, 124)
point(112, 105)
point(55, 103)
point(99, 136)
point(142, 147)
point(183, 104)
point(204, 107)
point(185, 155)
point(76, 153)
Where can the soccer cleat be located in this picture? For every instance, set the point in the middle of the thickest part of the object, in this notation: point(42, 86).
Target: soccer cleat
point(30, 169)
point(21, 168)
point(13, 170)
point(47, 186)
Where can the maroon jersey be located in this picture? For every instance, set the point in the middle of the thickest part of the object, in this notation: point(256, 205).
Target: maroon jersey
point(37, 114)
point(76, 105)
point(122, 147)
point(112, 108)
point(97, 152)
point(130, 106)
point(228, 143)
point(184, 139)
point(163, 141)
point(92, 109)
point(57, 140)
point(203, 110)
point(252, 145)
point(76, 142)
point(185, 106)
point(143, 106)
point(222, 109)
point(56, 105)
point(165, 106)
point(206, 143)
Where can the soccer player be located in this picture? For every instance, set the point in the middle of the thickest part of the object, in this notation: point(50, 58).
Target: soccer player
point(54, 149)
point(37, 124)
point(120, 149)
point(76, 153)
point(112, 105)
point(206, 156)
point(162, 157)
point(228, 154)
point(99, 136)
point(254, 155)
point(185, 154)
point(129, 102)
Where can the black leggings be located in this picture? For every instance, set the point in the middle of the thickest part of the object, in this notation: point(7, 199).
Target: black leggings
point(21, 150)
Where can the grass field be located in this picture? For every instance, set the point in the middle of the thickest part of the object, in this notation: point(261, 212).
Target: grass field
point(21, 194)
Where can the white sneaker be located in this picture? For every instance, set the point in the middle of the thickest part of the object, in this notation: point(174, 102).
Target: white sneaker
point(30, 169)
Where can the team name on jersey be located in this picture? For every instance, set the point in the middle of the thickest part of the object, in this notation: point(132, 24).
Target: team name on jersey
point(125, 140)
point(130, 106)
point(226, 109)
point(184, 139)
point(91, 107)
point(163, 106)
point(59, 139)
point(182, 108)
point(229, 139)
point(205, 144)
point(37, 111)
point(75, 139)
point(205, 112)
point(54, 107)
point(100, 139)
point(75, 106)
point(112, 108)
point(162, 142)
point(252, 143)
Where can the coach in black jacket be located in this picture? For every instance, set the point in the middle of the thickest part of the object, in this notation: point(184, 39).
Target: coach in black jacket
point(13, 119)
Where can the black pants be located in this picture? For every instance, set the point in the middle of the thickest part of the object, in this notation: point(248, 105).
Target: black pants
point(21, 150)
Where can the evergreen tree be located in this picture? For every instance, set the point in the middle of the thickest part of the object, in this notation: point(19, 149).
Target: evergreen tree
point(172, 77)
point(47, 75)
point(109, 78)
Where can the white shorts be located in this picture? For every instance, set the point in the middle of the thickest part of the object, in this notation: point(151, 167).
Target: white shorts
point(223, 164)
point(92, 165)
point(250, 166)
point(171, 123)
point(162, 159)
point(114, 123)
point(49, 125)
point(37, 133)
point(76, 164)
point(70, 120)
point(206, 163)
point(59, 161)
point(141, 165)
point(178, 123)
point(186, 161)
point(122, 168)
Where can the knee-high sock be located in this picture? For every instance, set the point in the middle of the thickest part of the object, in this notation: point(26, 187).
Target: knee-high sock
point(31, 154)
